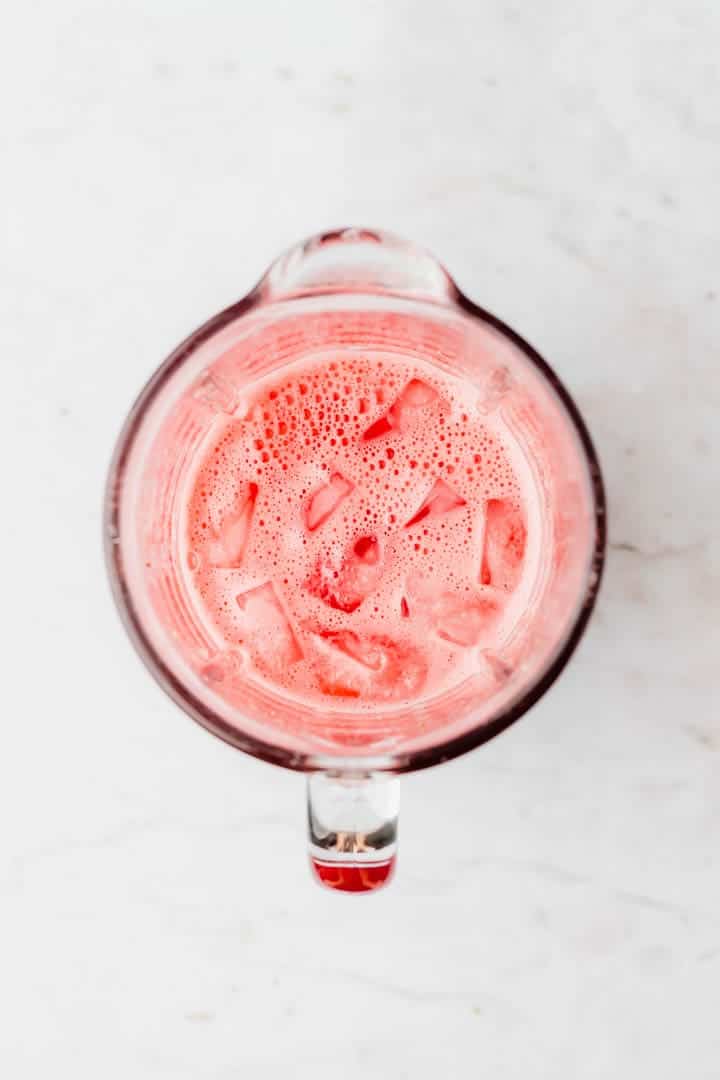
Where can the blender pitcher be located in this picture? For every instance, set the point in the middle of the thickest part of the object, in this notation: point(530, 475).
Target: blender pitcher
point(350, 289)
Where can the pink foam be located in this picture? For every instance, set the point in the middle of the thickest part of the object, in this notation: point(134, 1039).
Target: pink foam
point(358, 533)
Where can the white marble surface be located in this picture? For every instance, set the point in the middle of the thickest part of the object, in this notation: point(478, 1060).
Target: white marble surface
point(157, 919)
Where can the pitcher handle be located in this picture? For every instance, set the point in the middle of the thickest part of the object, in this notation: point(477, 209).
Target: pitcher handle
point(352, 826)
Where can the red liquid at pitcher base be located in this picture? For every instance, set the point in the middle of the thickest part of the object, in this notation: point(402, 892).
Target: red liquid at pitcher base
point(363, 533)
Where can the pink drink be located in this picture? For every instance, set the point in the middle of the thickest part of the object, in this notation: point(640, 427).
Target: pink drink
point(363, 529)
point(355, 526)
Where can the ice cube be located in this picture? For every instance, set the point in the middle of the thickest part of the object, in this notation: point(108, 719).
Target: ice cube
point(326, 500)
point(365, 650)
point(440, 500)
point(413, 397)
point(325, 583)
point(461, 618)
point(466, 620)
point(422, 588)
point(366, 666)
point(345, 586)
point(416, 394)
point(230, 540)
point(503, 545)
point(381, 427)
point(267, 629)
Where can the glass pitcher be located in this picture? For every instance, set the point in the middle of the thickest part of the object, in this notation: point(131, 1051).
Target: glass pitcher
point(348, 289)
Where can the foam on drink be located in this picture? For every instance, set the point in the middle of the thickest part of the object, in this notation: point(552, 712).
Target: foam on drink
point(361, 531)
